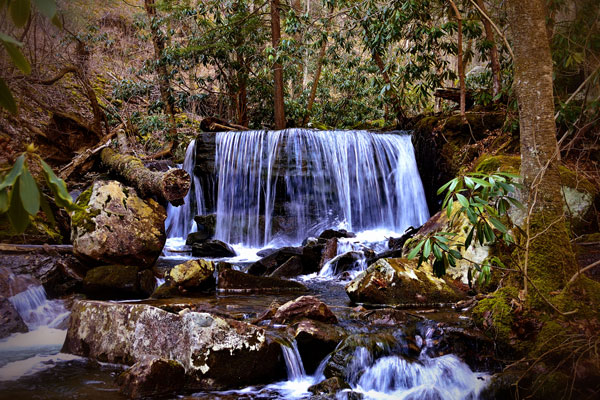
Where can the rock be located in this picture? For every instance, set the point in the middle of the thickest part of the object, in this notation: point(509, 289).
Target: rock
point(60, 274)
point(329, 251)
point(166, 291)
point(216, 353)
point(197, 237)
point(396, 281)
point(193, 275)
point(267, 265)
point(266, 252)
point(308, 307)
point(11, 284)
point(213, 249)
point(206, 224)
point(118, 282)
point(338, 234)
point(329, 386)
point(10, 320)
point(289, 269)
point(315, 340)
point(231, 280)
point(312, 256)
point(152, 377)
point(346, 262)
point(383, 316)
point(117, 227)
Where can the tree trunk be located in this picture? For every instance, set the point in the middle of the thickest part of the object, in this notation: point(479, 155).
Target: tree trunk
point(164, 84)
point(313, 89)
point(277, 67)
point(171, 186)
point(297, 85)
point(386, 78)
point(494, 59)
point(460, 62)
point(242, 94)
point(550, 257)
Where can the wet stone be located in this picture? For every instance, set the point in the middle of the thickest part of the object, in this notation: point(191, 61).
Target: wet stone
point(10, 320)
point(152, 377)
point(213, 249)
point(231, 280)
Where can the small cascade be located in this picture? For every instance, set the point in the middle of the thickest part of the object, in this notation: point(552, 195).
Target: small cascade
point(293, 361)
point(36, 310)
point(180, 220)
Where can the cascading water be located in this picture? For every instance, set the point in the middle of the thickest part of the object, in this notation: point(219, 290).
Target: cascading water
point(293, 361)
point(294, 183)
point(180, 220)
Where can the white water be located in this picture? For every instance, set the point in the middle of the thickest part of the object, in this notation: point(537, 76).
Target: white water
point(357, 180)
point(23, 354)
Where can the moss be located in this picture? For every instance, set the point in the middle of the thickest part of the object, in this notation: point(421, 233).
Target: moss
point(500, 163)
point(497, 309)
point(84, 218)
point(570, 178)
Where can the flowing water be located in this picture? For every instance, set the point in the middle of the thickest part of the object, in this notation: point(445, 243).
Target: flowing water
point(271, 189)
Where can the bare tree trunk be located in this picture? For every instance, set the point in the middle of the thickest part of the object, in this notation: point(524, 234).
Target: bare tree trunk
point(550, 257)
point(494, 59)
point(171, 186)
point(277, 67)
point(164, 84)
point(313, 89)
point(242, 93)
point(460, 61)
point(297, 85)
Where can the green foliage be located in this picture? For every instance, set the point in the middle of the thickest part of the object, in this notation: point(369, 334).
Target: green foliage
point(20, 197)
point(484, 199)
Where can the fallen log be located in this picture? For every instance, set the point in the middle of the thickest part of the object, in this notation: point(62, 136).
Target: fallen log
point(171, 186)
point(35, 248)
point(453, 94)
point(214, 124)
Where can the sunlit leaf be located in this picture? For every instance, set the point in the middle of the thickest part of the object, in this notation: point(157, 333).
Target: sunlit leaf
point(413, 253)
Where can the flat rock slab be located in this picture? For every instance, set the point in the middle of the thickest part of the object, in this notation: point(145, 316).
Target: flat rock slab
point(217, 353)
point(231, 280)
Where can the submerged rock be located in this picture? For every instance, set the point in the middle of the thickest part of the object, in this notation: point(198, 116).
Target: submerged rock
point(118, 282)
point(329, 386)
point(213, 249)
point(10, 320)
point(304, 307)
point(237, 281)
point(152, 377)
point(397, 281)
point(193, 275)
point(117, 227)
point(216, 353)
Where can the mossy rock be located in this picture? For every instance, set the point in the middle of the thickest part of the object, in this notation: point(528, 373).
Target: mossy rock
point(39, 231)
point(118, 282)
point(494, 314)
point(193, 275)
point(489, 164)
point(395, 281)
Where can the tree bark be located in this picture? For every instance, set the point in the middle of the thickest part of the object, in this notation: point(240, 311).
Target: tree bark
point(277, 67)
point(171, 186)
point(313, 89)
point(164, 84)
point(386, 78)
point(242, 93)
point(460, 61)
point(494, 59)
point(551, 257)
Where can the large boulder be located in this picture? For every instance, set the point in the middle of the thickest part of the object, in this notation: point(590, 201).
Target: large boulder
point(118, 282)
point(231, 280)
point(289, 269)
point(213, 249)
point(315, 340)
point(152, 377)
point(216, 353)
point(193, 275)
point(116, 226)
point(304, 307)
point(10, 320)
point(396, 281)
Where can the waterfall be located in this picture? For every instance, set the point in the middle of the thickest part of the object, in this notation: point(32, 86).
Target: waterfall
point(293, 361)
point(287, 185)
point(180, 220)
point(36, 310)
